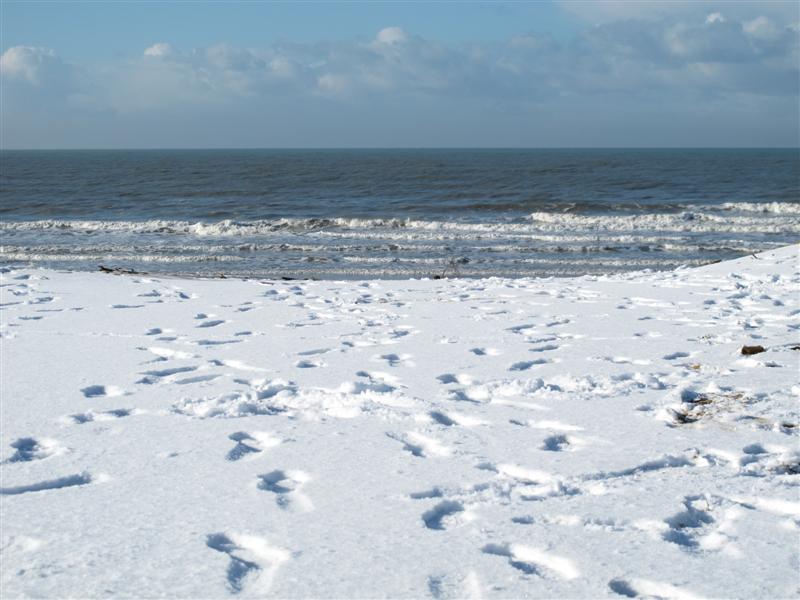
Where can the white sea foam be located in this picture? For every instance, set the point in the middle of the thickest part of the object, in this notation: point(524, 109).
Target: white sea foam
point(754, 217)
point(781, 208)
point(554, 242)
point(687, 221)
point(100, 257)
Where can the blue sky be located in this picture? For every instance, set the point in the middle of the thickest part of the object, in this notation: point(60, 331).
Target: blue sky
point(399, 74)
point(122, 28)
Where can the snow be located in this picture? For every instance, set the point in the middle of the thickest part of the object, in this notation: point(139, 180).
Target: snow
point(495, 438)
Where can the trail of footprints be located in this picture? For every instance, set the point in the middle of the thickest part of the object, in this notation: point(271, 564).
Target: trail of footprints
point(27, 449)
point(704, 523)
point(92, 416)
point(692, 528)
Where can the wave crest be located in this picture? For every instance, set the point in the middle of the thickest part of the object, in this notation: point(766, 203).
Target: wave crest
point(781, 217)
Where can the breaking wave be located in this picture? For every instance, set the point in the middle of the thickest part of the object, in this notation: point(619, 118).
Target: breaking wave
point(771, 217)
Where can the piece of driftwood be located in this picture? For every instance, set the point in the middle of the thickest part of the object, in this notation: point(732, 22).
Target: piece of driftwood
point(748, 350)
point(120, 271)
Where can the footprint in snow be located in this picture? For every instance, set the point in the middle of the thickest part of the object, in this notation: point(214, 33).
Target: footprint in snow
point(315, 352)
point(705, 524)
point(216, 342)
point(197, 379)
point(533, 561)
point(395, 360)
point(420, 445)
point(558, 321)
point(287, 487)
point(168, 353)
point(468, 587)
point(451, 418)
point(98, 391)
point(545, 348)
point(485, 351)
point(50, 484)
point(527, 364)
point(620, 360)
point(253, 562)
point(446, 514)
point(91, 416)
point(553, 425)
point(645, 588)
point(442, 418)
point(28, 449)
point(150, 294)
point(562, 442)
point(158, 375)
point(212, 323)
point(309, 364)
point(250, 444)
point(378, 382)
point(459, 378)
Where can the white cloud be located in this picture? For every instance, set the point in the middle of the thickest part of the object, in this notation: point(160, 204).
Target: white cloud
point(715, 18)
point(332, 84)
point(391, 35)
point(655, 58)
point(661, 64)
point(761, 28)
point(159, 50)
point(281, 66)
point(226, 57)
point(608, 11)
point(27, 62)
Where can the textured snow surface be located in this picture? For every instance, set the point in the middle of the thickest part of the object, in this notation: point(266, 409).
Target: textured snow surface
point(592, 437)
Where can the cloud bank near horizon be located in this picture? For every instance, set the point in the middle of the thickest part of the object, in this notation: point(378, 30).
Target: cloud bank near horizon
point(701, 79)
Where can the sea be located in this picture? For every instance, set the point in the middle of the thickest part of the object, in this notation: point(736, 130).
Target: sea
point(350, 214)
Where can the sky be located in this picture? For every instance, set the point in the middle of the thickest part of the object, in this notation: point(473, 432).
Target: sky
point(399, 74)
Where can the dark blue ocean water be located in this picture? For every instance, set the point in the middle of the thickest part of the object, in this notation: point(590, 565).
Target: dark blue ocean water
point(395, 213)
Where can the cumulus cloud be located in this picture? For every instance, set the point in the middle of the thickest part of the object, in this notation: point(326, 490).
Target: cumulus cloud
point(626, 56)
point(676, 60)
point(159, 50)
point(391, 35)
point(331, 84)
point(761, 28)
point(227, 58)
point(37, 78)
point(607, 11)
point(29, 63)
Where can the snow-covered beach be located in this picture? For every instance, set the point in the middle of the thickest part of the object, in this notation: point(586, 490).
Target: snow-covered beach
point(591, 437)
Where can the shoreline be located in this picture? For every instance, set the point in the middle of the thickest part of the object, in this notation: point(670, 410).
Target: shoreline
point(585, 436)
point(560, 239)
point(198, 276)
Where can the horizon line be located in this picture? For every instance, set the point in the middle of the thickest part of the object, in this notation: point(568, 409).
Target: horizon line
point(294, 148)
